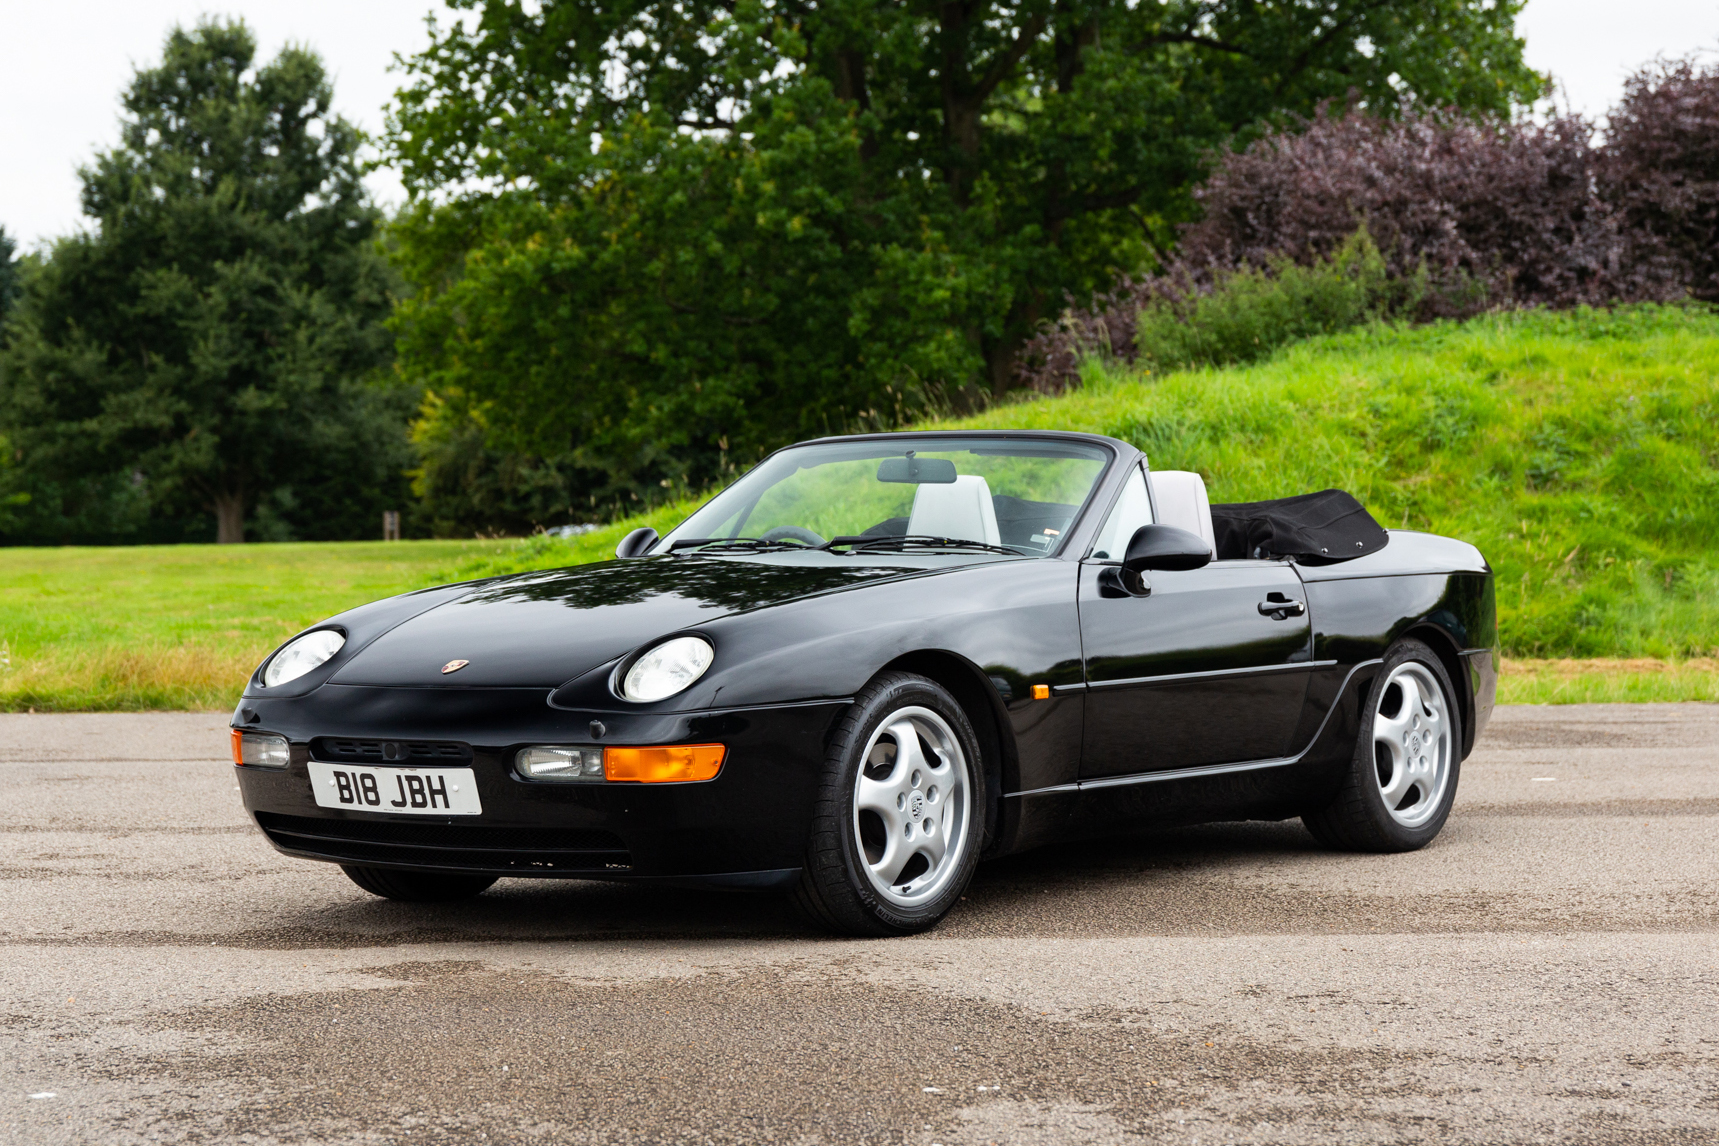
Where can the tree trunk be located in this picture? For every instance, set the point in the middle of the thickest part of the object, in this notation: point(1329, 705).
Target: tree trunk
point(851, 88)
point(1000, 363)
point(960, 109)
point(229, 518)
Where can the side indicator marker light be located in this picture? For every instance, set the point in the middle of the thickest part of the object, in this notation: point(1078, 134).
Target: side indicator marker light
point(1041, 692)
point(671, 764)
point(238, 747)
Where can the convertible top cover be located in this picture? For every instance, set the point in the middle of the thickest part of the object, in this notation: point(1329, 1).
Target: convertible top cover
point(1315, 527)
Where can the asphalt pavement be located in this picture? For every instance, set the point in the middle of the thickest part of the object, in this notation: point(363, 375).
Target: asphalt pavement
point(1546, 971)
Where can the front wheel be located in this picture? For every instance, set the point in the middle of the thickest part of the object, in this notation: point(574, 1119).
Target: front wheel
point(417, 886)
point(897, 828)
point(1399, 787)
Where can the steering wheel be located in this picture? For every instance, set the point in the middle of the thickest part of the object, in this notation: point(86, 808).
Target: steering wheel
point(792, 533)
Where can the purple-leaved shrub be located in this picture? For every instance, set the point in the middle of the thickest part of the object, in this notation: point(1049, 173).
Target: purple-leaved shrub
point(1469, 214)
point(1660, 172)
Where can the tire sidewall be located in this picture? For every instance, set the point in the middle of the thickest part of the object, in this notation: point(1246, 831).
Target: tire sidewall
point(1397, 835)
point(845, 760)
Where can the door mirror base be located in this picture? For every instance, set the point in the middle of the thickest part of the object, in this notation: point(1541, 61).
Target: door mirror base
point(1115, 581)
point(636, 542)
point(1165, 547)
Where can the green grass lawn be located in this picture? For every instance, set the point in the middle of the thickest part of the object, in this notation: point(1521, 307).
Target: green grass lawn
point(1579, 451)
point(180, 626)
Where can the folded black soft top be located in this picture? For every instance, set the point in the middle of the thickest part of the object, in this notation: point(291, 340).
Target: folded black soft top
point(1314, 527)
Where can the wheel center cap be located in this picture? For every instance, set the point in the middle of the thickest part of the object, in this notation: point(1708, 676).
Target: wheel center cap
point(916, 805)
point(1414, 744)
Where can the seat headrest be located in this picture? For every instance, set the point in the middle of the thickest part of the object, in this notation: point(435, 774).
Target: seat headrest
point(1180, 496)
point(959, 509)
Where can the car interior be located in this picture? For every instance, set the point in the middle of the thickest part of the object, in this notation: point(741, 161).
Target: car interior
point(962, 508)
point(1182, 502)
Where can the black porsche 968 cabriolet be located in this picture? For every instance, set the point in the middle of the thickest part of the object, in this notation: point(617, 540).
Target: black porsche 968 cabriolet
point(872, 662)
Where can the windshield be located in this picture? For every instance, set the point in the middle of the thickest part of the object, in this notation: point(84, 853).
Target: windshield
point(1011, 495)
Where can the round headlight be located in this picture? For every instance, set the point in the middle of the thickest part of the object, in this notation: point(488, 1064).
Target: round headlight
point(668, 668)
point(301, 656)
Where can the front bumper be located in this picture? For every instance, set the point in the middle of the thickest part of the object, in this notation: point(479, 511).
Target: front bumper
point(748, 827)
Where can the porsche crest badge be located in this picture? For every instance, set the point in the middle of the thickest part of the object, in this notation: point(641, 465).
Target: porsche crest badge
point(454, 666)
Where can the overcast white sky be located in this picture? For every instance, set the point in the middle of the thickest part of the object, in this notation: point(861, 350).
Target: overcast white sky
point(63, 65)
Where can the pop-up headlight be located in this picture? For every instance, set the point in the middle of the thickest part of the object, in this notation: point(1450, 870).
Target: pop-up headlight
point(302, 655)
point(667, 669)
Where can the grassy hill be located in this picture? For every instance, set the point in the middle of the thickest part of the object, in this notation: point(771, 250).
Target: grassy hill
point(1579, 451)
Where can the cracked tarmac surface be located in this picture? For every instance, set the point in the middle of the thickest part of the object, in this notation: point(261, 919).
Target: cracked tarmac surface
point(1545, 972)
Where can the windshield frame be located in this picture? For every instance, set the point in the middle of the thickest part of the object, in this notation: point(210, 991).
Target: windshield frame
point(1099, 484)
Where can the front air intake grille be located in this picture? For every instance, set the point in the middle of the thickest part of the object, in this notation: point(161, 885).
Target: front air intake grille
point(340, 750)
point(522, 851)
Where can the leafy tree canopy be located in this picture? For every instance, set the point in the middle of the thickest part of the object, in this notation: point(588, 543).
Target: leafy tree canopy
point(203, 348)
point(660, 234)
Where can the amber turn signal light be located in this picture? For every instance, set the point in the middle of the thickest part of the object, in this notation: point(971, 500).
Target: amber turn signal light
point(1041, 692)
point(260, 750)
point(672, 764)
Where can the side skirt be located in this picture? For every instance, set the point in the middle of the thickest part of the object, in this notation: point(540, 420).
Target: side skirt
point(1208, 769)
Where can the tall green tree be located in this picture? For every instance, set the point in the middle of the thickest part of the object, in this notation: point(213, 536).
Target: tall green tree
point(9, 273)
point(205, 348)
point(658, 234)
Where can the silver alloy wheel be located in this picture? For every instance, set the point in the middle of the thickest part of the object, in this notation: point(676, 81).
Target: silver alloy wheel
point(1413, 744)
point(912, 806)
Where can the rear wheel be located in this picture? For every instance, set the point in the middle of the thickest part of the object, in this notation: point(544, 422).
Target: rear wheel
point(417, 886)
point(1398, 790)
point(896, 831)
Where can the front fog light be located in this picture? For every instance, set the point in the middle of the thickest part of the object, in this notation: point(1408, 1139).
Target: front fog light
point(255, 750)
point(542, 762)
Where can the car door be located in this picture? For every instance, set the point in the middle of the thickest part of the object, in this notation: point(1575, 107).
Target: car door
point(1187, 669)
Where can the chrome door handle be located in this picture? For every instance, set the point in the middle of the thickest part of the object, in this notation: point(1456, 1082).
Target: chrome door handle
point(1278, 607)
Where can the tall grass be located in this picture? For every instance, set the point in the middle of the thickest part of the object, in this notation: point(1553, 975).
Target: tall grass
point(1608, 680)
point(139, 678)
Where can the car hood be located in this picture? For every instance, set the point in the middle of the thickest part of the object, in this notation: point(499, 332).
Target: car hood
point(543, 629)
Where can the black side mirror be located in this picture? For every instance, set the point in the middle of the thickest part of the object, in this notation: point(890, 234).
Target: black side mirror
point(1165, 547)
point(636, 542)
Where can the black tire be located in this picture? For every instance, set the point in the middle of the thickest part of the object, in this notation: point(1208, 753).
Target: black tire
point(1357, 818)
point(835, 891)
point(417, 886)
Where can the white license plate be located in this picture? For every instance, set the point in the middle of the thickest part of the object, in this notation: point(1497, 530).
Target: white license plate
point(402, 791)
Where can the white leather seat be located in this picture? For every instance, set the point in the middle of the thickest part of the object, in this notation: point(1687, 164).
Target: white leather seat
point(1180, 497)
point(959, 509)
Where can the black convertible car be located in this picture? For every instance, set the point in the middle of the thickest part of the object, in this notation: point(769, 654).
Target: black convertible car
point(870, 663)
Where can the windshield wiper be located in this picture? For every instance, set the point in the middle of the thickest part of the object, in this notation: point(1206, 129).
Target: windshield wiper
point(917, 541)
point(755, 544)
